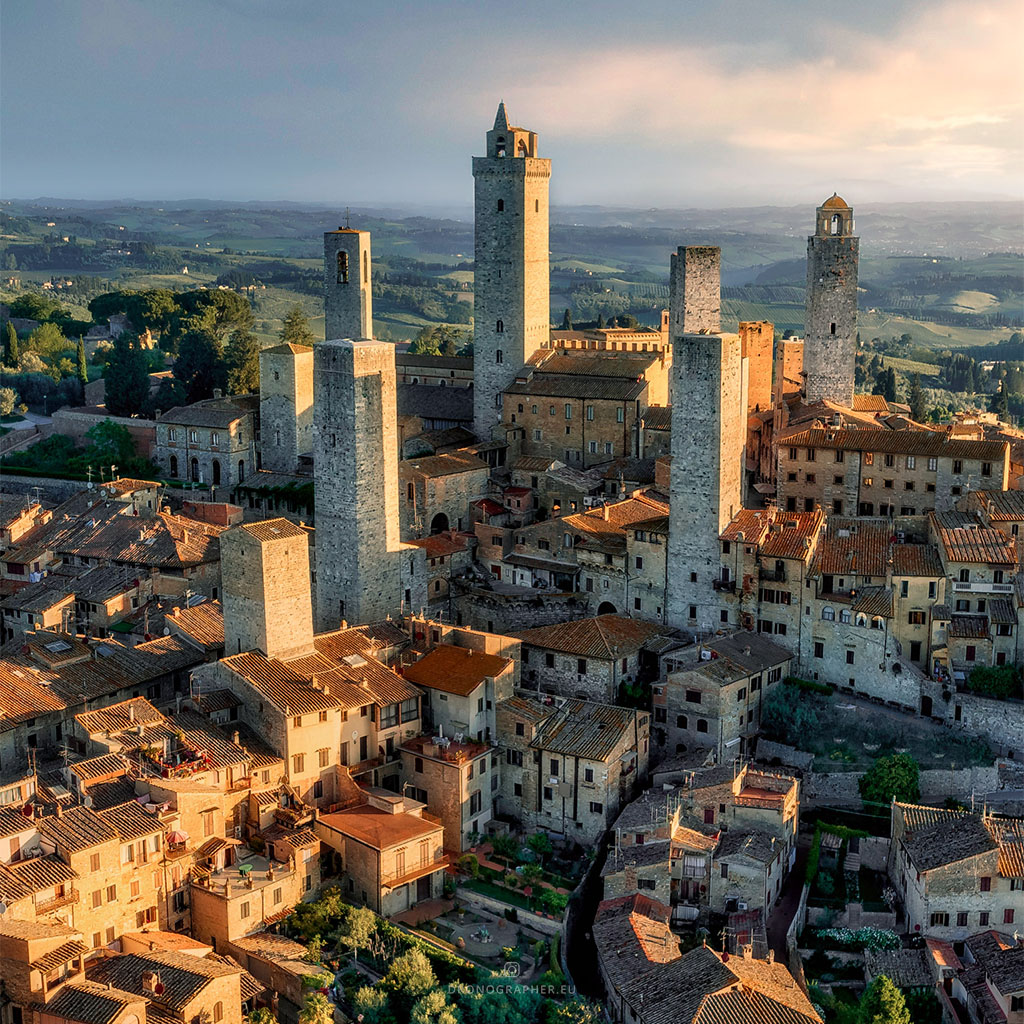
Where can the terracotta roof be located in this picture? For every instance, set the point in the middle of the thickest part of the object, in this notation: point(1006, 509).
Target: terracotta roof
point(378, 828)
point(131, 821)
point(273, 529)
point(853, 548)
point(968, 627)
point(118, 717)
point(456, 670)
point(834, 202)
point(104, 766)
point(750, 843)
point(440, 545)
point(526, 707)
point(948, 840)
point(559, 386)
point(129, 485)
point(203, 623)
point(76, 829)
point(445, 464)
point(23, 696)
point(583, 728)
point(1009, 834)
point(58, 957)
point(183, 975)
point(874, 601)
point(211, 412)
point(89, 1003)
point(41, 873)
point(916, 560)
point(413, 360)
point(607, 637)
point(869, 403)
point(658, 417)
point(632, 934)
point(215, 700)
point(705, 987)
point(1002, 960)
point(978, 544)
point(616, 517)
point(998, 506)
point(901, 442)
point(290, 348)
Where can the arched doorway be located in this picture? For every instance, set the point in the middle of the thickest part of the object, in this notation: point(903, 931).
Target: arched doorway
point(194, 471)
point(241, 470)
point(216, 472)
point(439, 524)
point(174, 466)
point(606, 608)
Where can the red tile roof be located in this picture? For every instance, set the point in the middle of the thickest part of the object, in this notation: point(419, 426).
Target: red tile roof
point(456, 670)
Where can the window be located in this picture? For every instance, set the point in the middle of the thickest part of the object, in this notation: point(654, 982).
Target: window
point(915, 618)
point(325, 757)
point(218, 1010)
point(596, 808)
point(961, 919)
point(568, 411)
point(811, 478)
point(588, 774)
point(985, 883)
point(590, 412)
point(681, 722)
point(244, 910)
point(499, 328)
point(693, 696)
point(639, 561)
point(958, 466)
point(983, 918)
point(849, 657)
point(828, 614)
point(214, 438)
point(819, 649)
point(94, 862)
point(548, 794)
point(298, 763)
point(939, 920)
point(581, 666)
point(702, 725)
point(389, 716)
point(725, 870)
point(297, 721)
point(869, 458)
point(501, 205)
point(811, 454)
point(111, 893)
point(933, 464)
point(97, 899)
point(1008, 915)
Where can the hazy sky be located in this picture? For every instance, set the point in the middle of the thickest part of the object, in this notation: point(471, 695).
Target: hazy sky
point(657, 103)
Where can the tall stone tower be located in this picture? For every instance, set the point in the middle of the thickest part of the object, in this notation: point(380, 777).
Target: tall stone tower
point(709, 414)
point(348, 301)
point(363, 573)
point(511, 306)
point(756, 339)
point(286, 406)
point(267, 602)
point(830, 321)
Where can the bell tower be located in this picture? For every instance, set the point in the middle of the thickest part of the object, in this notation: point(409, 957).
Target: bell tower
point(830, 320)
point(512, 316)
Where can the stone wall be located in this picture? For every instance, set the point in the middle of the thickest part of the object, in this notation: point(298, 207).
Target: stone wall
point(77, 422)
point(348, 302)
point(756, 340)
point(286, 406)
point(820, 788)
point(1002, 722)
point(496, 612)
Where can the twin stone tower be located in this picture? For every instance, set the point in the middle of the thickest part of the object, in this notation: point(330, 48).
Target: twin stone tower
point(363, 571)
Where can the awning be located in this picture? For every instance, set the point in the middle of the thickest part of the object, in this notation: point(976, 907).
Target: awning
point(177, 837)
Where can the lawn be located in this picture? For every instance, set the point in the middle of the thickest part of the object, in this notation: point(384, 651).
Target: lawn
point(497, 892)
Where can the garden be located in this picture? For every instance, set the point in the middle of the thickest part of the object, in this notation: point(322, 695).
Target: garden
point(526, 876)
point(391, 975)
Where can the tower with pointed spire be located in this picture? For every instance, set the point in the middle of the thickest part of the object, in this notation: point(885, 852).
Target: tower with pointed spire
point(511, 303)
point(830, 320)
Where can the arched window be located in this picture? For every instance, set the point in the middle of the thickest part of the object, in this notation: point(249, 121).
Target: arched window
point(828, 614)
point(241, 470)
point(442, 383)
point(342, 268)
point(174, 466)
point(499, 327)
point(837, 224)
point(499, 356)
point(844, 614)
point(501, 205)
point(877, 623)
point(862, 619)
point(500, 150)
point(195, 471)
point(218, 1011)
point(216, 472)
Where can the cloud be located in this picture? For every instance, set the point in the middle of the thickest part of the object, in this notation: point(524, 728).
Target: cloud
point(943, 93)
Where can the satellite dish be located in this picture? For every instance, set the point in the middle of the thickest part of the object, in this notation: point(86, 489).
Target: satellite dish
point(87, 801)
point(355, 735)
point(3, 908)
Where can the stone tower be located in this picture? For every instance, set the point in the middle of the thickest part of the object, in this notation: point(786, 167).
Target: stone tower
point(286, 406)
point(708, 435)
point(266, 592)
point(830, 321)
point(363, 573)
point(756, 340)
point(511, 306)
point(348, 301)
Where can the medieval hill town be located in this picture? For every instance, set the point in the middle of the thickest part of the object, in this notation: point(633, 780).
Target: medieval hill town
point(381, 643)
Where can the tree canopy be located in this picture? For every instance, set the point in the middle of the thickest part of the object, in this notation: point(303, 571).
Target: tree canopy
point(126, 378)
point(883, 1003)
point(896, 777)
point(295, 328)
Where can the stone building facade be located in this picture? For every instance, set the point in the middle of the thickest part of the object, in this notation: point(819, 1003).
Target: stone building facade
point(348, 292)
point(286, 406)
point(756, 343)
point(830, 320)
point(708, 436)
point(363, 572)
point(512, 317)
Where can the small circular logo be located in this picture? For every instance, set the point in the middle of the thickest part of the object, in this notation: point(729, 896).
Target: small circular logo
point(511, 969)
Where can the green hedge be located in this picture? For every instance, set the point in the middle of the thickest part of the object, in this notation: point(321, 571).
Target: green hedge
point(809, 685)
point(813, 857)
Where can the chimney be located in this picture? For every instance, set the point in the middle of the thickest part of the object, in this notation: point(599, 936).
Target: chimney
point(604, 512)
point(131, 712)
point(235, 737)
point(217, 393)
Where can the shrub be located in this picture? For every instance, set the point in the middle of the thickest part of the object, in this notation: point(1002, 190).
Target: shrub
point(856, 940)
point(809, 685)
point(999, 682)
point(469, 865)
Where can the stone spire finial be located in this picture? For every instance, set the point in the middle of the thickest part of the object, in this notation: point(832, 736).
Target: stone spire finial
point(501, 118)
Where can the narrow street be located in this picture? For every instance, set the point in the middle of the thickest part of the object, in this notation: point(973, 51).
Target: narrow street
point(782, 913)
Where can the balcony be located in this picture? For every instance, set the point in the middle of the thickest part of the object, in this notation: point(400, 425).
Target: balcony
point(773, 575)
point(728, 586)
point(56, 902)
point(439, 862)
point(982, 588)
